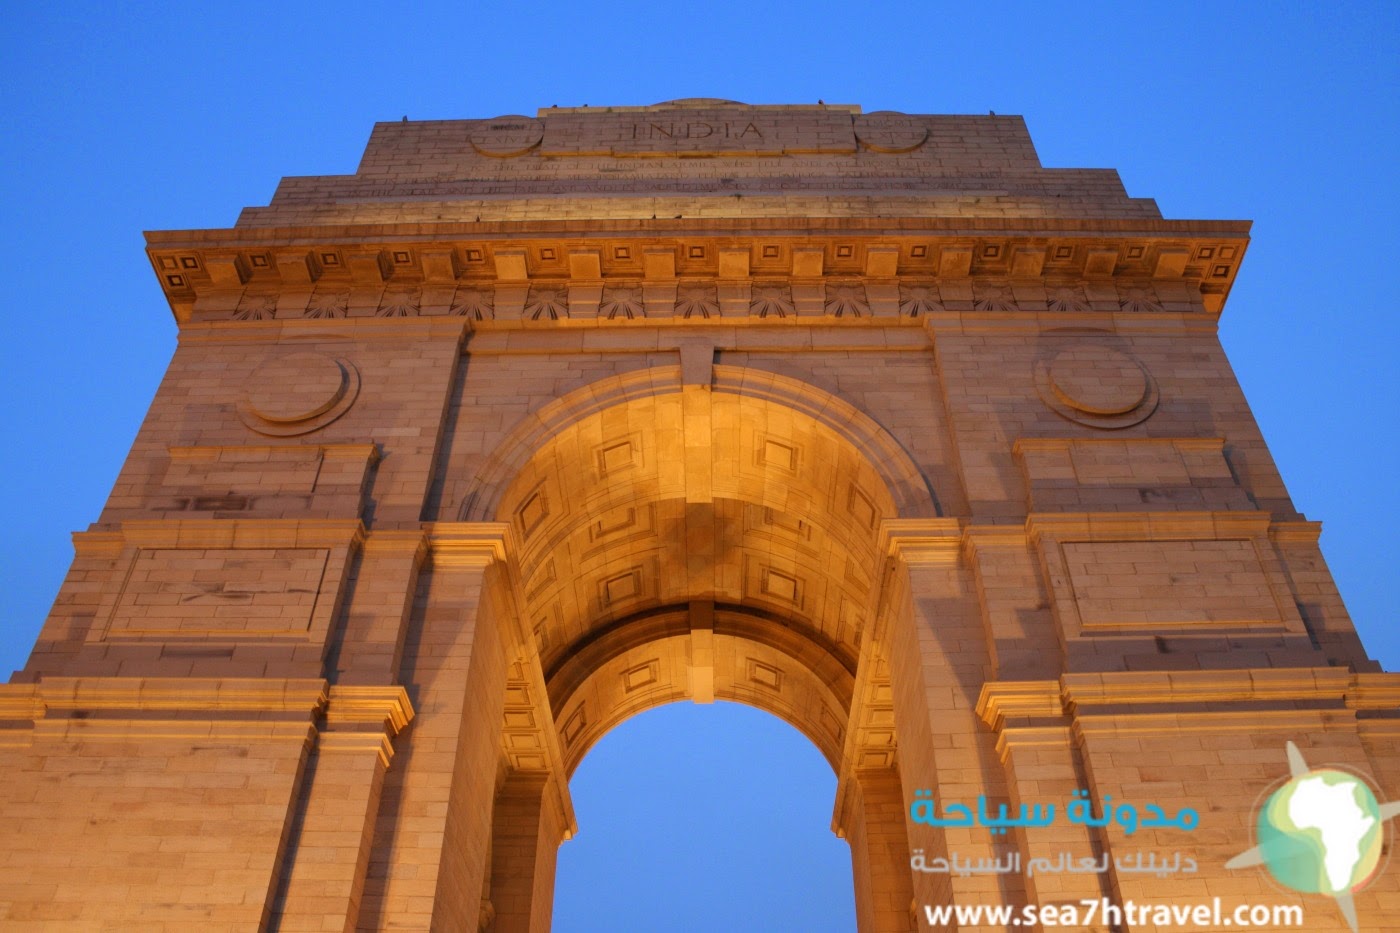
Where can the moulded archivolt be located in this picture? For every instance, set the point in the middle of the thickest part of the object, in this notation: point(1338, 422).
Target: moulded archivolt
point(298, 393)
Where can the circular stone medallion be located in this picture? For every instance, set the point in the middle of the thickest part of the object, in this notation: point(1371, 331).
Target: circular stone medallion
point(298, 393)
point(1098, 380)
point(508, 136)
point(890, 131)
point(1097, 386)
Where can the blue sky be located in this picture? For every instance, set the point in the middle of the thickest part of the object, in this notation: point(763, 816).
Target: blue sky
point(121, 118)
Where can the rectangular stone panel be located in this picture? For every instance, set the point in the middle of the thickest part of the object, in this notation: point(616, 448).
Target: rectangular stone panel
point(1169, 583)
point(698, 132)
point(222, 593)
point(1129, 474)
point(244, 470)
point(313, 480)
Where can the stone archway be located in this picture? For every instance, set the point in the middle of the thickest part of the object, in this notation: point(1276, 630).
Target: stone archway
point(696, 542)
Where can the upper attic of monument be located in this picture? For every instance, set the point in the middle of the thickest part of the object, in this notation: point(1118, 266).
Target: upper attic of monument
point(699, 158)
point(729, 198)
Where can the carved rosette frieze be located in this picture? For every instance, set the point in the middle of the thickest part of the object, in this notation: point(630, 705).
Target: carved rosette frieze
point(477, 304)
point(547, 303)
point(328, 303)
point(846, 299)
point(1067, 299)
point(919, 300)
point(621, 304)
point(697, 301)
point(399, 303)
point(771, 300)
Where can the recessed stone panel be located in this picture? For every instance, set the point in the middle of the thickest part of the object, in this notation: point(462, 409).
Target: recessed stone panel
point(225, 593)
point(1182, 584)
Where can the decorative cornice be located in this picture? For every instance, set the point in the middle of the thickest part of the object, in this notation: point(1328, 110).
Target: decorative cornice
point(1001, 700)
point(239, 533)
point(212, 452)
point(1300, 532)
point(376, 743)
point(233, 731)
point(1375, 692)
point(1024, 445)
point(1147, 526)
point(20, 702)
point(922, 540)
point(396, 543)
point(181, 693)
point(1017, 737)
point(1083, 691)
point(1192, 265)
point(469, 544)
point(732, 226)
point(1286, 721)
point(388, 705)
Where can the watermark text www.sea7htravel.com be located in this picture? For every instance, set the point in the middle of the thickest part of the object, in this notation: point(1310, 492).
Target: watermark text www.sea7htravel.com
point(1200, 916)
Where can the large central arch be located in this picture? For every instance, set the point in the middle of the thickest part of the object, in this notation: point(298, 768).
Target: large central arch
point(714, 540)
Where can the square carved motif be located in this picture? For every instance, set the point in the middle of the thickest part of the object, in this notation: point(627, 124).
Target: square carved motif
point(620, 587)
point(765, 675)
point(642, 675)
point(779, 585)
point(614, 456)
point(778, 454)
point(532, 512)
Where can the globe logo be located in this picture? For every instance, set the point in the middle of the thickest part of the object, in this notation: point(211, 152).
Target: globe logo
point(1320, 833)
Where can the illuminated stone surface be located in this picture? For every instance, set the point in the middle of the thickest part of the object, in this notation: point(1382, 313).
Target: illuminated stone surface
point(531, 424)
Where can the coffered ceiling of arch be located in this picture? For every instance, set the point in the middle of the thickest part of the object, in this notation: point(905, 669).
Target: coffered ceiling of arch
point(696, 495)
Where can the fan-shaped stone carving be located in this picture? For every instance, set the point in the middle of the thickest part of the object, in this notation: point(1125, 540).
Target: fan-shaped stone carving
point(547, 303)
point(771, 301)
point(1138, 299)
point(993, 298)
point(479, 304)
point(697, 301)
point(621, 303)
point(1066, 299)
point(328, 305)
point(918, 300)
point(846, 299)
point(256, 308)
point(398, 304)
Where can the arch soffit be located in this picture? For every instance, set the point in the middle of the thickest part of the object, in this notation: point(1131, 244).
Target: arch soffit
point(726, 496)
point(650, 660)
point(912, 495)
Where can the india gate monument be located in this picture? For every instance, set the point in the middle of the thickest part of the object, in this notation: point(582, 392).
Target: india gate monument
point(532, 424)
